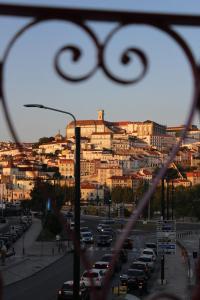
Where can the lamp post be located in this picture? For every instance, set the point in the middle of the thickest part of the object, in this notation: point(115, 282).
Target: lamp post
point(76, 265)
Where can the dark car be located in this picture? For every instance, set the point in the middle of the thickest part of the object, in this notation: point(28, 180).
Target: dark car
point(141, 266)
point(108, 258)
point(104, 240)
point(128, 244)
point(134, 279)
point(109, 231)
point(66, 292)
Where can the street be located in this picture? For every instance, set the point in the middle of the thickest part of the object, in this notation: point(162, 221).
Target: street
point(45, 284)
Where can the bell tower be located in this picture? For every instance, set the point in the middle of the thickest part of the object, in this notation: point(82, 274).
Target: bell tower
point(101, 115)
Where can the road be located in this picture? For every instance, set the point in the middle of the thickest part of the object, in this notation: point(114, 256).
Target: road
point(45, 284)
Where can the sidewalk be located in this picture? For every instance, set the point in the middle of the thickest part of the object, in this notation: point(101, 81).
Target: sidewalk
point(176, 277)
point(36, 256)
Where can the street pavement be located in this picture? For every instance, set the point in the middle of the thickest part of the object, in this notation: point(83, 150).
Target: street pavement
point(39, 255)
point(31, 256)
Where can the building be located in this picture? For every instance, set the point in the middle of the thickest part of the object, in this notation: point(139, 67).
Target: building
point(193, 177)
point(89, 127)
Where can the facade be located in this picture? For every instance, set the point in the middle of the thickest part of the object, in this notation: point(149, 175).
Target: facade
point(193, 177)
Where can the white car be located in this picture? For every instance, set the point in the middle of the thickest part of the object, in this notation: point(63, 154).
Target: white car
point(87, 237)
point(93, 277)
point(148, 259)
point(149, 251)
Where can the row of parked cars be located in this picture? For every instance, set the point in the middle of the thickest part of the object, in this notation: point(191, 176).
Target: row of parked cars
point(137, 275)
point(14, 232)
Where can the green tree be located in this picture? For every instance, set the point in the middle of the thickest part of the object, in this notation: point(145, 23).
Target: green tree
point(53, 224)
point(39, 195)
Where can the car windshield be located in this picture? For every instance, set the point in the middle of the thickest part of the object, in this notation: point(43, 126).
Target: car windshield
point(134, 272)
point(138, 266)
point(149, 245)
point(100, 266)
point(87, 234)
point(145, 259)
point(90, 274)
point(148, 252)
point(67, 286)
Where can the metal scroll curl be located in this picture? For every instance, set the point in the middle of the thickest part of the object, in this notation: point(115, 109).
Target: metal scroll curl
point(125, 58)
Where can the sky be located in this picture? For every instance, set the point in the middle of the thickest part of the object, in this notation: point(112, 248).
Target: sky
point(163, 95)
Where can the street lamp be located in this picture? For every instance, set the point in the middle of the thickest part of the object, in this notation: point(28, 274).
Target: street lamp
point(76, 265)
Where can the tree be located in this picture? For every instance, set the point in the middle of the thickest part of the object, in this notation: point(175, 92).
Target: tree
point(39, 195)
point(53, 224)
point(44, 140)
point(122, 195)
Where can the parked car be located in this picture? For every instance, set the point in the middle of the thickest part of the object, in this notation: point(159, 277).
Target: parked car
point(66, 292)
point(104, 240)
point(93, 277)
point(108, 258)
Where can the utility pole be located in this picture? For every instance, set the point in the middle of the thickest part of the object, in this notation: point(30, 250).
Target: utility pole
point(163, 199)
point(172, 200)
point(162, 271)
point(167, 199)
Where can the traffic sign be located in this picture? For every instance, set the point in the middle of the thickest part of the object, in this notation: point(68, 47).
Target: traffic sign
point(166, 236)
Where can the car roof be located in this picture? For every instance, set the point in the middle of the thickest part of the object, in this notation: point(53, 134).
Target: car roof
point(148, 249)
point(93, 270)
point(139, 262)
point(70, 282)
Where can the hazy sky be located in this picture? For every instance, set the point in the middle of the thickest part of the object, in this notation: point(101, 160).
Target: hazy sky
point(164, 95)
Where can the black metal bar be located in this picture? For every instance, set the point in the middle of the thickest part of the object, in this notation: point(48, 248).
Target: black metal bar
point(172, 200)
point(162, 273)
point(167, 200)
point(45, 12)
point(76, 266)
point(163, 199)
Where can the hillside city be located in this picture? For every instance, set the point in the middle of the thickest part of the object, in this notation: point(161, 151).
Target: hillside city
point(113, 154)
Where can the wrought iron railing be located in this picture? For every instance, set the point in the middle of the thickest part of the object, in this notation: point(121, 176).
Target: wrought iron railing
point(80, 18)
